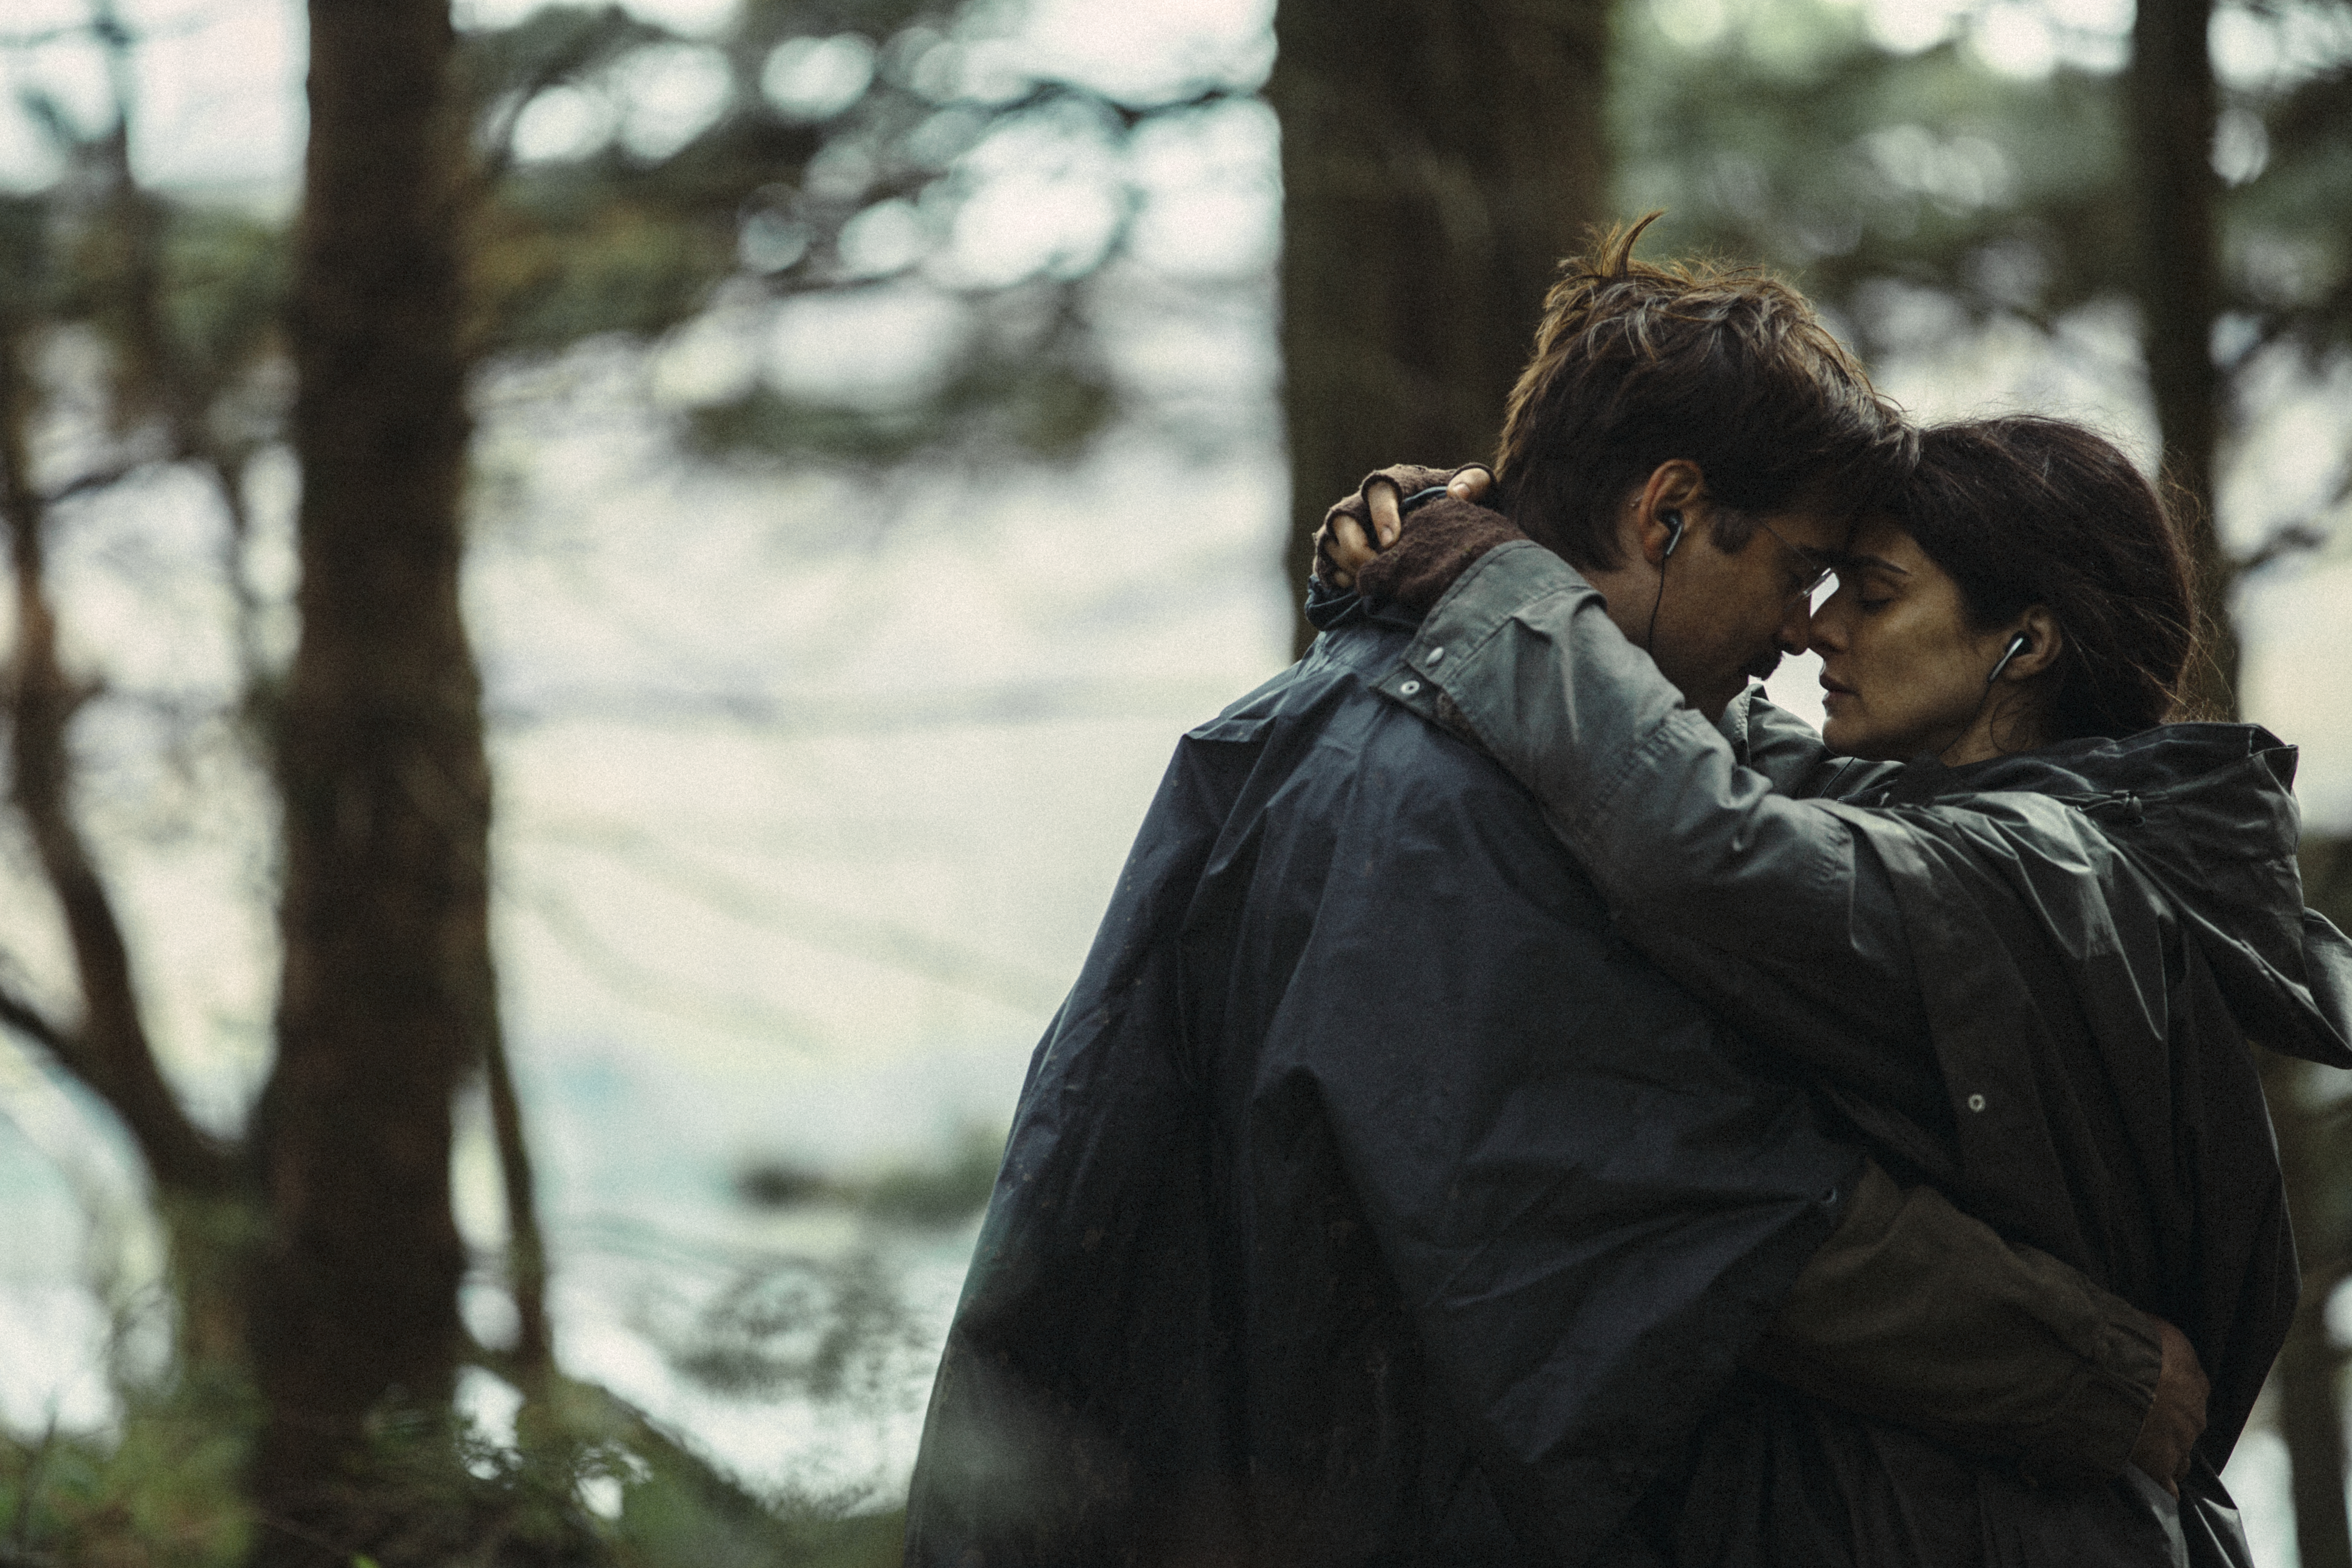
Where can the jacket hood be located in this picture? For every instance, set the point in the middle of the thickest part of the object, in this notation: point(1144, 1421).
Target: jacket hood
point(2207, 811)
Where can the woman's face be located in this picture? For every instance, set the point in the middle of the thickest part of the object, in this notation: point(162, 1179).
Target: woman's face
point(1902, 673)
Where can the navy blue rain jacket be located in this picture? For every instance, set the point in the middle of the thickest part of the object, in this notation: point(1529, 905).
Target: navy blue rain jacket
point(1369, 1201)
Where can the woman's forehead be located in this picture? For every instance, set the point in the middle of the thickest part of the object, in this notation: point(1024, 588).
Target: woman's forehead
point(1879, 541)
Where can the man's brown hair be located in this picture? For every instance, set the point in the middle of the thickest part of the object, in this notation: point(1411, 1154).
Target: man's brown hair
point(1638, 363)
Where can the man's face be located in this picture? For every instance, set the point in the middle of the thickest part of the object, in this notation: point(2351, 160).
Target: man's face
point(1723, 617)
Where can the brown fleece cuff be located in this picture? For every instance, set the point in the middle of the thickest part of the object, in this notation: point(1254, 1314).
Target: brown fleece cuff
point(2091, 1434)
point(1441, 540)
point(1410, 478)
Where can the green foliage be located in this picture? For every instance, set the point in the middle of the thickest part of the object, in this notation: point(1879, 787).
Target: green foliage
point(1792, 138)
point(225, 275)
point(554, 265)
point(1854, 167)
point(2288, 252)
point(622, 238)
point(617, 236)
point(25, 280)
point(161, 1490)
point(1031, 403)
point(678, 1512)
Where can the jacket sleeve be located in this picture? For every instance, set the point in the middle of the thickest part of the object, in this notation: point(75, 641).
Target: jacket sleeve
point(1776, 911)
point(1914, 1313)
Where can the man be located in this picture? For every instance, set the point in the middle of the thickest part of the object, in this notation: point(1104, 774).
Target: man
point(1368, 1201)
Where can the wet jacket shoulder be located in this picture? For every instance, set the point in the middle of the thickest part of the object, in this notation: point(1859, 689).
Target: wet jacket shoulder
point(1368, 1200)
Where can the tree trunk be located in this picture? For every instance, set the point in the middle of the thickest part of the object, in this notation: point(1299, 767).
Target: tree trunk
point(534, 1348)
point(2171, 103)
point(385, 789)
point(1438, 160)
point(203, 1193)
point(2310, 1368)
point(2313, 1149)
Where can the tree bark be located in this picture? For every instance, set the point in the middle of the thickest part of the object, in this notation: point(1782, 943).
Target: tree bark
point(2313, 1150)
point(1438, 160)
point(2310, 1367)
point(384, 914)
point(108, 1049)
point(534, 1348)
point(204, 1191)
point(2171, 103)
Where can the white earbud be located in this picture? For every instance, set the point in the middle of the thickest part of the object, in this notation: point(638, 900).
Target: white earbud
point(2017, 645)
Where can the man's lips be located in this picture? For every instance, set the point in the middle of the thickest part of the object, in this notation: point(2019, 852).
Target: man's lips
point(1831, 687)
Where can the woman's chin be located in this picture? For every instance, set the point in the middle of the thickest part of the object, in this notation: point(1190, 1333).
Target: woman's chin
point(1846, 737)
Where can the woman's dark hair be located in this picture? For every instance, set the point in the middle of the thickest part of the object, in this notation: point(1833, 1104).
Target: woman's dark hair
point(2022, 510)
point(1636, 363)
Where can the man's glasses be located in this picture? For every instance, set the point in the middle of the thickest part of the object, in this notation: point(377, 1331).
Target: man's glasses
point(1807, 574)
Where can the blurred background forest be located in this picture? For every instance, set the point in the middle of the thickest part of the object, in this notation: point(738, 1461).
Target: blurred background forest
point(596, 594)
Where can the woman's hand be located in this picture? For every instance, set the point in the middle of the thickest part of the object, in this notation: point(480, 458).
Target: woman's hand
point(2176, 1417)
point(1370, 520)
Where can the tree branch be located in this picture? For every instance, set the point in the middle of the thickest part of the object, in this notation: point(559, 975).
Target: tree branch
point(19, 1014)
point(110, 1051)
point(534, 1349)
point(2287, 538)
point(97, 479)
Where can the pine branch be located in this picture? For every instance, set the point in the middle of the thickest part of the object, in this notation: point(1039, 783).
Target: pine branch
point(17, 1013)
point(109, 1052)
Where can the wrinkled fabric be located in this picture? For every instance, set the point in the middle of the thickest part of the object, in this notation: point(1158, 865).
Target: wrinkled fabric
point(1369, 1201)
point(1915, 1314)
point(2033, 982)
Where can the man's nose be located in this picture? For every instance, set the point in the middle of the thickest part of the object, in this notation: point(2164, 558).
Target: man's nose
point(1796, 633)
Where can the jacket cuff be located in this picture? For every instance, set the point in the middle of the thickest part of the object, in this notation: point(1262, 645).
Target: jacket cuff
point(2090, 1435)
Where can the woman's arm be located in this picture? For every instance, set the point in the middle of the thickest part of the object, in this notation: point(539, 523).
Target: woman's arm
point(1775, 910)
point(1916, 1313)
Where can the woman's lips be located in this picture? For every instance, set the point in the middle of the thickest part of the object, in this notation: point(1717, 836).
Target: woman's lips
point(1832, 690)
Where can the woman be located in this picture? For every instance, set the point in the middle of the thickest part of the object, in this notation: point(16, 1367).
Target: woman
point(2024, 964)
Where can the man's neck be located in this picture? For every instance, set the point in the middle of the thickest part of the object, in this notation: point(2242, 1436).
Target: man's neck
point(1632, 592)
point(1629, 591)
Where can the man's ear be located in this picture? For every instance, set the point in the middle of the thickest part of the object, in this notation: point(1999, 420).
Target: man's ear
point(2044, 641)
point(1669, 507)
